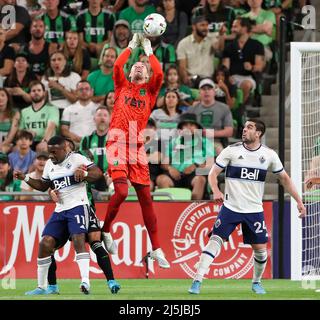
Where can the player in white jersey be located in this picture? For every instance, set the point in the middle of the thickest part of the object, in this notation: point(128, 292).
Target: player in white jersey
point(64, 172)
point(246, 164)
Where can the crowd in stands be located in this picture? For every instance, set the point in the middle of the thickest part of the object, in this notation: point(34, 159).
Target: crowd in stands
point(56, 67)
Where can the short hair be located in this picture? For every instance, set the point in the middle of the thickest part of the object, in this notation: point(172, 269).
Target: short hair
point(260, 126)
point(246, 22)
point(102, 108)
point(36, 83)
point(56, 140)
point(84, 81)
point(71, 144)
point(24, 134)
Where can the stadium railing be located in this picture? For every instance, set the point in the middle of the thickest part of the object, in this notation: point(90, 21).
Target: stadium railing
point(104, 194)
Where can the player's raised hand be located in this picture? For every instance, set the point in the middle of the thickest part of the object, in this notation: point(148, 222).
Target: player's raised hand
point(218, 197)
point(134, 42)
point(302, 210)
point(146, 45)
point(17, 174)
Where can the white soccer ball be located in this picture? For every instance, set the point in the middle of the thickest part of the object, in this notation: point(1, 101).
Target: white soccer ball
point(154, 25)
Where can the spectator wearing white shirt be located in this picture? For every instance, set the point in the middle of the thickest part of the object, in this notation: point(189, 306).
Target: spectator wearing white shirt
point(60, 81)
point(78, 119)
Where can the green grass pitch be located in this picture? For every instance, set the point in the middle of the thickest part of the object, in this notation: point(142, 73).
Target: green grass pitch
point(159, 289)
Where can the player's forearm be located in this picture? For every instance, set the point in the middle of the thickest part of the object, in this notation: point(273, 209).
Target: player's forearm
point(213, 180)
point(122, 59)
point(290, 188)
point(38, 184)
point(94, 174)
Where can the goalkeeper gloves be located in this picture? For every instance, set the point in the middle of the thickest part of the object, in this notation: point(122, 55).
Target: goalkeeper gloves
point(135, 42)
point(146, 45)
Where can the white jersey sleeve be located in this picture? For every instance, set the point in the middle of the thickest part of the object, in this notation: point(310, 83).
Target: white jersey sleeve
point(224, 158)
point(275, 163)
point(46, 170)
point(80, 160)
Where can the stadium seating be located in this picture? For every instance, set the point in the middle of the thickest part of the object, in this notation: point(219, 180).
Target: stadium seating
point(177, 194)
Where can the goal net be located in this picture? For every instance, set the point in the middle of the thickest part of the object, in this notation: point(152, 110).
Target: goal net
point(305, 158)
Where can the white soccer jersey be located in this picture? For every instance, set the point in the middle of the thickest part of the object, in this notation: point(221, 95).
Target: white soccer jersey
point(71, 193)
point(245, 175)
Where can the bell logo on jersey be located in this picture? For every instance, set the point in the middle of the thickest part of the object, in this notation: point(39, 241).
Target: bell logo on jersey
point(250, 175)
point(62, 183)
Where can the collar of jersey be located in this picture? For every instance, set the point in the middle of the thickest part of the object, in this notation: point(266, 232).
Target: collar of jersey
point(251, 149)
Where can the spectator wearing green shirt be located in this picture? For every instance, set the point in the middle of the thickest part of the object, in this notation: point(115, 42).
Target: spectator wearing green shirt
point(101, 80)
point(95, 26)
point(185, 153)
point(41, 118)
point(136, 14)
point(7, 183)
point(121, 35)
point(264, 27)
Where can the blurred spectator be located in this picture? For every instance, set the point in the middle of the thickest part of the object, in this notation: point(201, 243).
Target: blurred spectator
point(6, 56)
point(121, 35)
point(243, 57)
point(212, 114)
point(167, 117)
point(185, 153)
point(172, 82)
point(77, 119)
point(95, 26)
point(280, 8)
point(265, 24)
point(7, 183)
point(41, 118)
point(17, 83)
point(38, 49)
point(39, 163)
point(18, 28)
point(219, 16)
point(136, 14)
point(22, 158)
point(177, 22)
point(196, 52)
point(225, 91)
point(152, 145)
point(56, 22)
point(109, 101)
point(95, 144)
point(60, 81)
point(101, 80)
point(239, 7)
point(78, 58)
point(9, 121)
point(164, 52)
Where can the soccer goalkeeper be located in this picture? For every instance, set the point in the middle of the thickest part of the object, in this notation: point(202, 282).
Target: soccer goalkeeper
point(134, 101)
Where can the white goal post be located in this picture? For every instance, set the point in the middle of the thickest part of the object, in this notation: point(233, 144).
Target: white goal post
point(305, 160)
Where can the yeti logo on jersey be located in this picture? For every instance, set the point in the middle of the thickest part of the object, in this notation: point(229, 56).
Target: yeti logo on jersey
point(246, 174)
point(64, 182)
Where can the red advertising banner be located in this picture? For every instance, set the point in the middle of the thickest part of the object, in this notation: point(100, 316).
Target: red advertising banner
point(183, 229)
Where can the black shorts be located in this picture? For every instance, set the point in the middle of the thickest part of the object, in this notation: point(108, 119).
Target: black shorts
point(184, 182)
